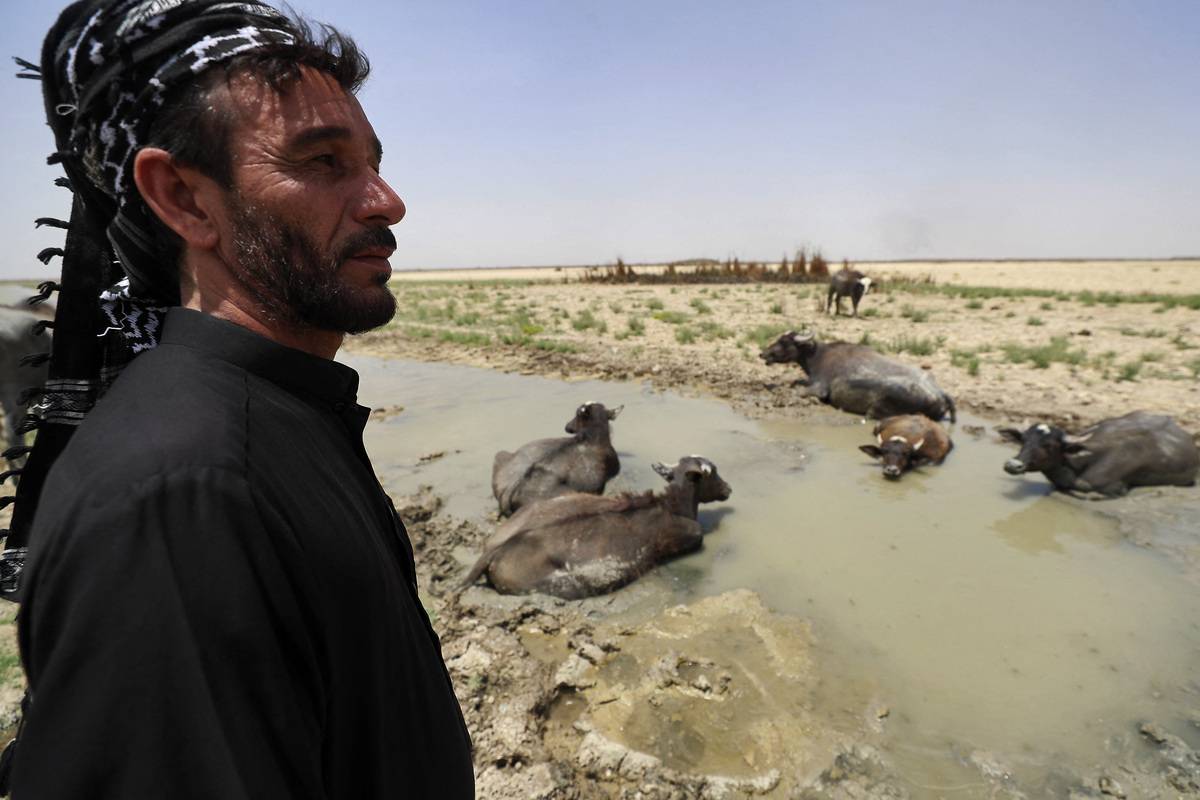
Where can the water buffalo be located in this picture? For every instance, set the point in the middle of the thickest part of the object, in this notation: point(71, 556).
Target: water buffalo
point(582, 462)
point(578, 545)
point(855, 378)
point(908, 441)
point(17, 340)
point(1110, 457)
point(846, 282)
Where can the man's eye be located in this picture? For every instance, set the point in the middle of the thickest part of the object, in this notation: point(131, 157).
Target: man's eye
point(325, 159)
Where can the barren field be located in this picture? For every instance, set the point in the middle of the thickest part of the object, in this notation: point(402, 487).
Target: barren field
point(1072, 342)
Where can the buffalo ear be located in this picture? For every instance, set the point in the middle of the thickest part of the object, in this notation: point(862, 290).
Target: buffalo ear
point(872, 450)
point(1076, 449)
point(613, 412)
point(1011, 435)
point(666, 472)
point(918, 459)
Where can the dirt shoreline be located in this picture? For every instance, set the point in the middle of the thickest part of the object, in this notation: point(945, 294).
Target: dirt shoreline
point(1000, 354)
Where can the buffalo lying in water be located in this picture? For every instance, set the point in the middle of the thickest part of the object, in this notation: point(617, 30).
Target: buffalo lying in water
point(578, 545)
point(855, 378)
point(1110, 457)
point(908, 441)
point(583, 462)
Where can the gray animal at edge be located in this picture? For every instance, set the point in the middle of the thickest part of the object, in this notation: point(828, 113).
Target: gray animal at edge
point(846, 282)
point(1110, 457)
point(908, 441)
point(855, 378)
point(583, 462)
point(579, 545)
point(17, 340)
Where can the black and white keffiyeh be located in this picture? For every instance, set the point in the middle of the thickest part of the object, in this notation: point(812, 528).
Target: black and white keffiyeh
point(111, 69)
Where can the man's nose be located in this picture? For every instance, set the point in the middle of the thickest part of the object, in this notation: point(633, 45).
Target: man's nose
point(380, 203)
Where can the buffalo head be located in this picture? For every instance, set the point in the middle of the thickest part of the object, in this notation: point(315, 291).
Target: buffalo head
point(1043, 447)
point(793, 347)
point(592, 415)
point(700, 473)
point(897, 455)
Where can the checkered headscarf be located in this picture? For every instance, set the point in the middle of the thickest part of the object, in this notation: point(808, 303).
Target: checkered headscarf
point(106, 73)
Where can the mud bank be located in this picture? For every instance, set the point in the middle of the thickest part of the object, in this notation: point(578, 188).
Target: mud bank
point(613, 697)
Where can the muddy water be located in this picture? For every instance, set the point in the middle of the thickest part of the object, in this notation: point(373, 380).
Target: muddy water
point(987, 613)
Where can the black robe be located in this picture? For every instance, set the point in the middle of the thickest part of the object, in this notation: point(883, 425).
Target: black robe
point(220, 601)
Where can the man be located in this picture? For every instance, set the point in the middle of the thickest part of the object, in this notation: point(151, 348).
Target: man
point(219, 600)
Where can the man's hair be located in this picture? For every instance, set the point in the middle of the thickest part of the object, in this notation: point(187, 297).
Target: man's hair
point(197, 133)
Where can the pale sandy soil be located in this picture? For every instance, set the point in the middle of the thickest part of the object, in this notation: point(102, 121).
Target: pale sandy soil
point(707, 338)
point(1180, 276)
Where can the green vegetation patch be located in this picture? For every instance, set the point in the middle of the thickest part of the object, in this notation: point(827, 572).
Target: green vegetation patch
point(671, 317)
point(917, 345)
point(685, 334)
point(1042, 356)
point(763, 335)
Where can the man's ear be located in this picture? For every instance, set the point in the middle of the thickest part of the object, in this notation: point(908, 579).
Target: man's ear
point(182, 197)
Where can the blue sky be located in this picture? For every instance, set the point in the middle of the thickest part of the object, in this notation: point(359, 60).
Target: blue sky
point(536, 133)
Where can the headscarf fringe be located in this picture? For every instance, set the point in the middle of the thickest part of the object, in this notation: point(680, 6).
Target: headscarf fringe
point(49, 253)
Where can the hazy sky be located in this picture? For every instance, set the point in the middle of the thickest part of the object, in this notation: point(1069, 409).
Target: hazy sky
point(575, 132)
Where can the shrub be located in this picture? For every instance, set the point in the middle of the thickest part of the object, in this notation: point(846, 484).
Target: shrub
point(584, 320)
point(670, 317)
point(1035, 322)
point(700, 306)
point(1129, 371)
point(685, 335)
point(916, 345)
point(763, 335)
point(713, 330)
point(1042, 356)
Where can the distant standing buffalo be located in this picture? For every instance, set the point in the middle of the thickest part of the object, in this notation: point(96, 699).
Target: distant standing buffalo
point(585, 461)
point(578, 545)
point(855, 378)
point(1110, 457)
point(846, 282)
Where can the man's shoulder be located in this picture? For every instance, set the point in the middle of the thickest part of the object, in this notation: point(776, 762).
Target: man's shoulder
point(171, 408)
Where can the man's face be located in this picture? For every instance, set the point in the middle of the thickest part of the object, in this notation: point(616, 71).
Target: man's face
point(306, 227)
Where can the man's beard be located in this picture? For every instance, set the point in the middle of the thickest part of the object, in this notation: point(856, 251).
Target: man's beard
point(296, 284)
